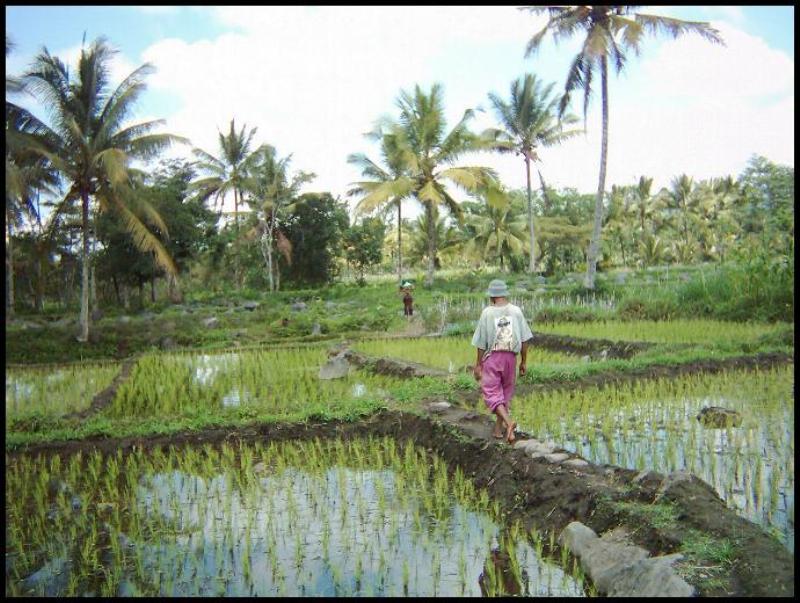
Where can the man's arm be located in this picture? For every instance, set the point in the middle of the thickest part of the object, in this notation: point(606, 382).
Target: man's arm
point(476, 370)
point(523, 359)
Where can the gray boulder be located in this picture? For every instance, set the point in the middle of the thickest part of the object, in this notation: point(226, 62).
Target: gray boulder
point(336, 368)
point(211, 322)
point(250, 305)
point(299, 306)
point(540, 280)
point(620, 569)
point(316, 329)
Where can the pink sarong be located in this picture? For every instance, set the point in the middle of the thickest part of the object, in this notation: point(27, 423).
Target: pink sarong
point(498, 378)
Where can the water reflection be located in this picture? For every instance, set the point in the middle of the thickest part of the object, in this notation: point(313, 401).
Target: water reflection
point(341, 532)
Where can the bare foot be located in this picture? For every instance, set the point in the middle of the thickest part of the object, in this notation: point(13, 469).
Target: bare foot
point(510, 432)
point(497, 435)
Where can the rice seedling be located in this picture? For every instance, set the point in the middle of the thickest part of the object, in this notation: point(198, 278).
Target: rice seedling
point(672, 331)
point(55, 391)
point(189, 523)
point(653, 425)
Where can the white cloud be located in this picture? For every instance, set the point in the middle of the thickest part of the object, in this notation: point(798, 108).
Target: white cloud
point(314, 79)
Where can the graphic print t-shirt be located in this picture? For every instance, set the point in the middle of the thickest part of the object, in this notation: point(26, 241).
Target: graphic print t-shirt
point(504, 340)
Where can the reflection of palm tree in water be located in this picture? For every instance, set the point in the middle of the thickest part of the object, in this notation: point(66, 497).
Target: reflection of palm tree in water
point(500, 577)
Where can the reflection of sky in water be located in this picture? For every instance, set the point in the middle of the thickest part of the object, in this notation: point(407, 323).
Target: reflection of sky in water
point(206, 366)
point(309, 533)
point(714, 455)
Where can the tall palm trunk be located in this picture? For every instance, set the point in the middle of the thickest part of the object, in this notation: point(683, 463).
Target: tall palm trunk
point(399, 245)
point(594, 243)
point(9, 271)
point(431, 244)
point(530, 211)
point(83, 337)
point(237, 267)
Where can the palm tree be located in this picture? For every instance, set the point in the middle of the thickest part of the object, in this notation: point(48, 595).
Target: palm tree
point(643, 201)
point(387, 186)
point(428, 151)
point(609, 33)
point(91, 149)
point(273, 196)
point(495, 232)
point(227, 173)
point(529, 121)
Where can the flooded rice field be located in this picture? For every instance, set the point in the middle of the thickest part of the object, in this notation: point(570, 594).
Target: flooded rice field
point(315, 518)
point(653, 425)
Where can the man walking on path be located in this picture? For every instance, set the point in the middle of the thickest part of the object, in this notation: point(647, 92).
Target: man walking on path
point(501, 334)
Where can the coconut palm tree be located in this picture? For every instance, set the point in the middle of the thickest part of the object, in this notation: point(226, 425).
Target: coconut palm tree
point(273, 196)
point(227, 173)
point(387, 186)
point(495, 232)
point(529, 121)
point(90, 146)
point(428, 153)
point(610, 32)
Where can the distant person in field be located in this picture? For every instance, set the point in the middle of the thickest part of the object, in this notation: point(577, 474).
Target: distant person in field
point(501, 334)
point(408, 299)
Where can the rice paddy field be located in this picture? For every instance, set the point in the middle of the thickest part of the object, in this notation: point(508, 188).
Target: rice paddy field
point(653, 425)
point(448, 353)
point(55, 391)
point(273, 381)
point(673, 331)
point(314, 518)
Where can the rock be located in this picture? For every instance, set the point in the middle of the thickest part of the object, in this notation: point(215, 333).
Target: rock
point(211, 322)
point(335, 368)
point(620, 278)
point(541, 291)
point(556, 457)
point(540, 280)
point(147, 316)
point(718, 417)
point(316, 329)
point(67, 321)
point(586, 358)
point(124, 319)
point(299, 306)
point(330, 305)
point(76, 503)
point(439, 406)
point(50, 580)
point(576, 463)
point(522, 444)
point(620, 569)
point(250, 305)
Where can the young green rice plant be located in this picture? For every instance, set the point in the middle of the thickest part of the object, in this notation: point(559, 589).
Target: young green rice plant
point(672, 331)
point(55, 391)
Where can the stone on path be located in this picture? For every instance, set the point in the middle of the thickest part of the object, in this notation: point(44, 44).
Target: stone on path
point(211, 322)
point(576, 463)
point(623, 570)
point(556, 457)
point(439, 406)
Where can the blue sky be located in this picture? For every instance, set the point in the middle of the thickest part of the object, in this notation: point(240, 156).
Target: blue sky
point(314, 79)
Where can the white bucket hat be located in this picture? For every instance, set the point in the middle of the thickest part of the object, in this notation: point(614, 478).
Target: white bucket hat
point(497, 288)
